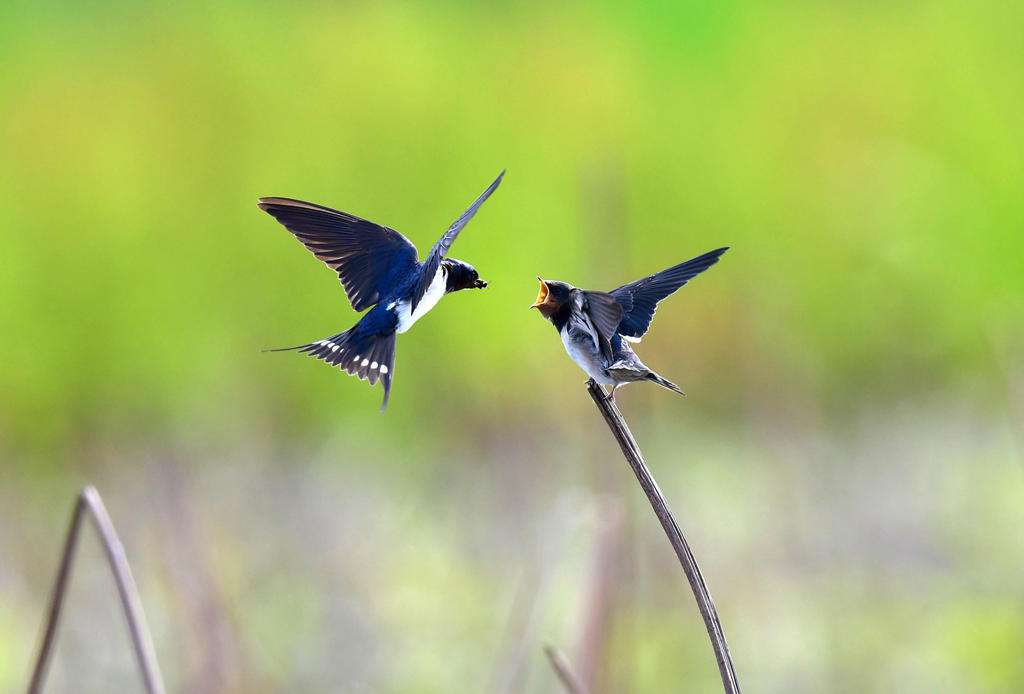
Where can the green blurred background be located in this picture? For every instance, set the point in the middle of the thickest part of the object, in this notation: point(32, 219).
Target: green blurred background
point(847, 466)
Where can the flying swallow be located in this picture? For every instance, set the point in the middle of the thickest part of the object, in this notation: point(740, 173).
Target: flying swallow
point(378, 267)
point(597, 327)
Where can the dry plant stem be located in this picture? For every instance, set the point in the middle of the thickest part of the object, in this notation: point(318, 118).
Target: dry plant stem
point(705, 604)
point(89, 501)
point(561, 667)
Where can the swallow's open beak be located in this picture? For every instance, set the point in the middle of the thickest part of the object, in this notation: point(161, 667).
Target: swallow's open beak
point(479, 284)
point(542, 295)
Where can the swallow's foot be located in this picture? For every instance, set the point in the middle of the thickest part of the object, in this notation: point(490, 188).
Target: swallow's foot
point(605, 397)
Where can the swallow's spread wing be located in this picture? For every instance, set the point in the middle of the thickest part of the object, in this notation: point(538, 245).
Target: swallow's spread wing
point(433, 260)
point(606, 314)
point(366, 256)
point(640, 298)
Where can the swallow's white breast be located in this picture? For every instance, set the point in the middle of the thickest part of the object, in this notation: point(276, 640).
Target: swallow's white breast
point(581, 349)
point(430, 298)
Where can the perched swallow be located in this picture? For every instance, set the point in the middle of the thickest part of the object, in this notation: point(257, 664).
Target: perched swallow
point(596, 327)
point(378, 267)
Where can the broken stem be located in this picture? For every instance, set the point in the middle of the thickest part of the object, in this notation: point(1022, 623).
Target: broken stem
point(89, 501)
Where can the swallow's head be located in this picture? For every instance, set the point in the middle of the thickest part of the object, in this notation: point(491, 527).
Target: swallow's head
point(551, 297)
point(462, 276)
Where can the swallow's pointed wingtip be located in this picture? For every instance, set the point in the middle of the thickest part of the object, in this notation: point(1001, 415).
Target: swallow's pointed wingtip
point(265, 203)
point(713, 256)
point(487, 192)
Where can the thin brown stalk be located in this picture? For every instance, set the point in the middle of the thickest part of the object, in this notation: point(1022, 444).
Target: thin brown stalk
point(560, 665)
point(89, 501)
point(705, 604)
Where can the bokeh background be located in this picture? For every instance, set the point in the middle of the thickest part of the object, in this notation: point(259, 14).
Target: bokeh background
point(847, 466)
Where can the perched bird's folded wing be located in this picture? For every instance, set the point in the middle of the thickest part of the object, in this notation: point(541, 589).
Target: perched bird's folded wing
point(365, 255)
point(433, 260)
point(606, 314)
point(640, 298)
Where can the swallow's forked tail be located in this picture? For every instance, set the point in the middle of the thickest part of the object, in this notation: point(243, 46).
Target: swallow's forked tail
point(367, 355)
point(665, 383)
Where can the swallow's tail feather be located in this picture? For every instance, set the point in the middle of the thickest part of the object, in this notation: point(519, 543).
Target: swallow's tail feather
point(365, 354)
point(665, 383)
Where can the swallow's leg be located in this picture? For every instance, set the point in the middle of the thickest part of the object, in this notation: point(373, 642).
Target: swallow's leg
point(611, 395)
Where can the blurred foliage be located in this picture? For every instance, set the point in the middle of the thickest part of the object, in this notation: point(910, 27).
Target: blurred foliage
point(863, 160)
point(863, 165)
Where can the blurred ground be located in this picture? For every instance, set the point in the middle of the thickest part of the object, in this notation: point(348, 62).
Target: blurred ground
point(848, 463)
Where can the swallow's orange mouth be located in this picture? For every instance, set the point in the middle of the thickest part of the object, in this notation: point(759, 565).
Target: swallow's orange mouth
point(542, 295)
